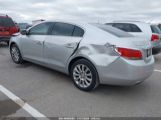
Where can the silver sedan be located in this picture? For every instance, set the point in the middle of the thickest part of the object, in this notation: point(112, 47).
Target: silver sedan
point(91, 54)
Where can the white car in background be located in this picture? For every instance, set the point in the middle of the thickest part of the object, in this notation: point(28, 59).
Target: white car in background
point(141, 29)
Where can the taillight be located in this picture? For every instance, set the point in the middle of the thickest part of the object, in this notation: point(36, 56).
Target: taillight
point(13, 30)
point(129, 53)
point(154, 38)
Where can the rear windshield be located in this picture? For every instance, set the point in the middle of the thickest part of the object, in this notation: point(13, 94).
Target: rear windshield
point(6, 22)
point(114, 31)
point(155, 29)
point(127, 27)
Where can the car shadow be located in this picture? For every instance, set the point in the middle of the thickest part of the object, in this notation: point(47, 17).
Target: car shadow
point(140, 91)
point(27, 64)
point(157, 58)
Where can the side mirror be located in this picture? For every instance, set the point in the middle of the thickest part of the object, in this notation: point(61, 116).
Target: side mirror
point(24, 32)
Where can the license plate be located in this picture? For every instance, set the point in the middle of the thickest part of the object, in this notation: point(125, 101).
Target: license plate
point(148, 52)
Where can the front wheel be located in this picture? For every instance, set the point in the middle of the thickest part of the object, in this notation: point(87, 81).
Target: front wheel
point(15, 54)
point(84, 75)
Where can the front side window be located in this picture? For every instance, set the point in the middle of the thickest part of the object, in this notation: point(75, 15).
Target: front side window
point(63, 29)
point(41, 29)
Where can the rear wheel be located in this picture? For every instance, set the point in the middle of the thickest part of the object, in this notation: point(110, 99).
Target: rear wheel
point(15, 54)
point(84, 75)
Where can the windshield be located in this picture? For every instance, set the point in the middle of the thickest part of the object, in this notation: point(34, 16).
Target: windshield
point(113, 31)
point(6, 22)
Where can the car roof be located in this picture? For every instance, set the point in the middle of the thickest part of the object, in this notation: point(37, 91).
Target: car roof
point(81, 24)
point(67, 21)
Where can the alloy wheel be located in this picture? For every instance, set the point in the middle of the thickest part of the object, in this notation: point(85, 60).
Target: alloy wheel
point(82, 76)
point(15, 54)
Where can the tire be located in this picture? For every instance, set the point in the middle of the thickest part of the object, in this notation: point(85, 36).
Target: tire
point(16, 54)
point(84, 75)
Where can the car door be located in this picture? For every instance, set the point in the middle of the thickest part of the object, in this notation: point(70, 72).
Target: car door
point(61, 44)
point(33, 42)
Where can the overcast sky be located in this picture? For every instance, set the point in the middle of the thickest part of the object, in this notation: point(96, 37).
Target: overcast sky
point(86, 10)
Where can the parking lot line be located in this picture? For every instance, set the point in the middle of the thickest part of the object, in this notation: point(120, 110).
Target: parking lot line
point(157, 70)
point(32, 111)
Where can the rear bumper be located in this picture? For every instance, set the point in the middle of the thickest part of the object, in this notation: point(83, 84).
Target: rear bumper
point(5, 39)
point(125, 72)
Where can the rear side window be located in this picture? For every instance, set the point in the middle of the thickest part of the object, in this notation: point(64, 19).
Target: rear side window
point(127, 27)
point(78, 32)
point(114, 31)
point(41, 29)
point(155, 29)
point(6, 22)
point(63, 29)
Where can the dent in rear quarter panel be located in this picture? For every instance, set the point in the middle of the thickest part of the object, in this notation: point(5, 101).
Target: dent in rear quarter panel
point(98, 55)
